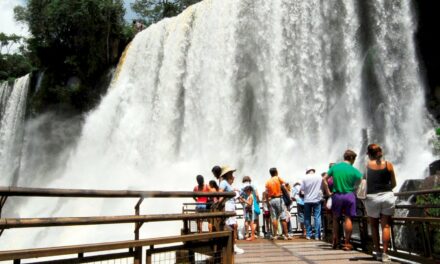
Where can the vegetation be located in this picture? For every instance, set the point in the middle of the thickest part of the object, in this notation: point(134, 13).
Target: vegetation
point(436, 142)
point(154, 10)
point(431, 199)
point(74, 43)
point(13, 64)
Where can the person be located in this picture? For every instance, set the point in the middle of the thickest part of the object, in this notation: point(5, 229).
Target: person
point(298, 195)
point(266, 216)
point(247, 181)
point(250, 214)
point(288, 208)
point(217, 171)
point(380, 200)
point(277, 206)
point(226, 186)
point(312, 186)
point(201, 201)
point(213, 187)
point(345, 177)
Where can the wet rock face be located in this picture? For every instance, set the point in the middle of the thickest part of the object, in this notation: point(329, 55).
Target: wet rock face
point(434, 168)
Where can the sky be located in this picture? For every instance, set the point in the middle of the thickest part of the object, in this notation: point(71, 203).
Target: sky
point(9, 26)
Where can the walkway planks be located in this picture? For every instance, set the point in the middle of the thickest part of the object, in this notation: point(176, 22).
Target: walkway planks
point(300, 251)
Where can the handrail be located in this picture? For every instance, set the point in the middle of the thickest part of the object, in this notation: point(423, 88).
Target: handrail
point(75, 249)
point(6, 223)
point(427, 191)
point(91, 193)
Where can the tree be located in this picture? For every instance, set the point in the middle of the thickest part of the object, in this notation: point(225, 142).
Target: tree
point(13, 64)
point(80, 39)
point(155, 10)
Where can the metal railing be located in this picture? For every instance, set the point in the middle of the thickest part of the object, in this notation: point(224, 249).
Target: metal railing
point(416, 232)
point(216, 246)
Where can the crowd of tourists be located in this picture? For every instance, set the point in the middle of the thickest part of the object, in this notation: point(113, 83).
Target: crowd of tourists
point(335, 190)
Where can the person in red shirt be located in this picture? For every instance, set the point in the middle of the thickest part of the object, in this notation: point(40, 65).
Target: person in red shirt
point(201, 200)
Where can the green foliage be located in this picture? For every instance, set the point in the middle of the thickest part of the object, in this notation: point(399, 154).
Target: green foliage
point(154, 10)
point(432, 199)
point(80, 39)
point(13, 64)
point(436, 142)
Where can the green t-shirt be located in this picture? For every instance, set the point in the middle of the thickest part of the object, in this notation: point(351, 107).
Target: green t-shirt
point(345, 177)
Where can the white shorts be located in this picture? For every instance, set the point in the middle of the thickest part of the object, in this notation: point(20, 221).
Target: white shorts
point(230, 207)
point(380, 204)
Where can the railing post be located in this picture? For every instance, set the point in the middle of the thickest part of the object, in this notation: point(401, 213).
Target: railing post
point(2, 203)
point(148, 257)
point(137, 226)
point(228, 250)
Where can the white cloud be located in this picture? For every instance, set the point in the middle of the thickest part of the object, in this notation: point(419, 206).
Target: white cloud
point(7, 23)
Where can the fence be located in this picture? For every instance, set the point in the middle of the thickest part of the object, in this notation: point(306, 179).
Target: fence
point(215, 247)
point(413, 237)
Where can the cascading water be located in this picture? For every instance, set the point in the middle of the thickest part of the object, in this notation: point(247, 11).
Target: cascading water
point(12, 112)
point(252, 84)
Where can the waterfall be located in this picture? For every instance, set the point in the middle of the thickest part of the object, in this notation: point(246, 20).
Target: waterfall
point(12, 112)
point(252, 84)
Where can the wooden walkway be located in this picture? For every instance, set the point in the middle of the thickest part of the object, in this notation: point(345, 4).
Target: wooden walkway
point(299, 251)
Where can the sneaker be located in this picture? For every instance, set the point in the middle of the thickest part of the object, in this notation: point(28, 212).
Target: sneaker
point(386, 258)
point(377, 256)
point(238, 250)
point(308, 238)
point(317, 238)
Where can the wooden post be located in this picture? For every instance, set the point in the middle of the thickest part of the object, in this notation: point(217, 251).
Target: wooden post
point(228, 250)
point(137, 226)
point(2, 203)
point(148, 257)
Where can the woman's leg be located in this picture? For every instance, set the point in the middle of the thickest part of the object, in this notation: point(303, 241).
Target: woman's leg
point(386, 231)
point(374, 223)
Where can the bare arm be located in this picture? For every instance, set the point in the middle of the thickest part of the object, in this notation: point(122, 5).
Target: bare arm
point(393, 176)
point(325, 187)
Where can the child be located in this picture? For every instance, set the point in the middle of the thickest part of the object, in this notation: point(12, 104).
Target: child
point(250, 213)
point(266, 216)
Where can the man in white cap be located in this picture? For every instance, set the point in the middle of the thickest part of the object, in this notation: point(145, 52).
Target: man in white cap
point(226, 186)
point(312, 186)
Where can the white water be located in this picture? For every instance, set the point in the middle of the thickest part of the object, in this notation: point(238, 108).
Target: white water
point(12, 111)
point(253, 84)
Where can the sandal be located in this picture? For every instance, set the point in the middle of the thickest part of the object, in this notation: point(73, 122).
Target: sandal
point(347, 247)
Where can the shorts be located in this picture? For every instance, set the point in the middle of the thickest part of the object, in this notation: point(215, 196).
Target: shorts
point(200, 208)
point(230, 207)
point(344, 201)
point(250, 214)
point(278, 208)
point(380, 204)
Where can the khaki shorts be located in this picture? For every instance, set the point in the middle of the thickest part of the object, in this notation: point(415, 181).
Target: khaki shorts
point(278, 208)
point(380, 204)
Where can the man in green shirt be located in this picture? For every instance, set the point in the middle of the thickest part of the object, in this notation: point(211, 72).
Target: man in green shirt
point(345, 178)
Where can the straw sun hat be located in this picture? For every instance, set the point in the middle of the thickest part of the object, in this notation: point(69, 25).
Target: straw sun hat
point(225, 170)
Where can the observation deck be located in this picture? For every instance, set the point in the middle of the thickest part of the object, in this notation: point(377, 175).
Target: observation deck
point(418, 242)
